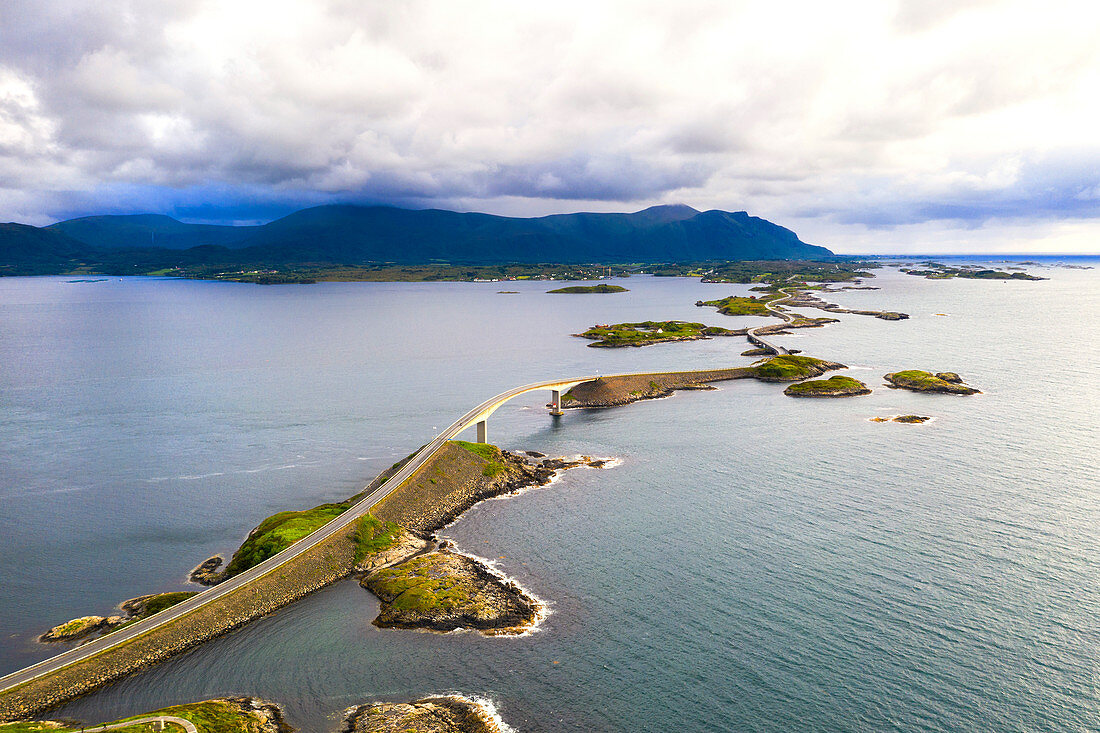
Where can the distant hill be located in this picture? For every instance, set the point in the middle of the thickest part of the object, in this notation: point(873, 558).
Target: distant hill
point(356, 235)
point(148, 230)
point(27, 250)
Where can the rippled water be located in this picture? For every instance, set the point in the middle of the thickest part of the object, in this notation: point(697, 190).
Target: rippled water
point(755, 562)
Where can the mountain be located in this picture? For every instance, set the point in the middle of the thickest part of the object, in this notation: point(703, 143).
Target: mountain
point(356, 235)
point(28, 250)
point(148, 230)
point(353, 234)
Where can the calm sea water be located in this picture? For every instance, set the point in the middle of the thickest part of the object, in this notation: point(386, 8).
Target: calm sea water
point(756, 563)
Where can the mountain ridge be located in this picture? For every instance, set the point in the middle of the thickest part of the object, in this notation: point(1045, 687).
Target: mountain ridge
point(349, 234)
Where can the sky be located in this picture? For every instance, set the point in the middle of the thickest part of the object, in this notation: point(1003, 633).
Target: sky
point(883, 126)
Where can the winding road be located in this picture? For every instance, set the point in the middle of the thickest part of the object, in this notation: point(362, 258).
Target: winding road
point(755, 337)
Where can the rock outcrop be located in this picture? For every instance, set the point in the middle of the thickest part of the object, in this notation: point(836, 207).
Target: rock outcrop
point(921, 381)
point(450, 714)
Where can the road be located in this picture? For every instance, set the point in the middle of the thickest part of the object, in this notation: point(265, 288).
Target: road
point(755, 337)
point(341, 523)
point(187, 725)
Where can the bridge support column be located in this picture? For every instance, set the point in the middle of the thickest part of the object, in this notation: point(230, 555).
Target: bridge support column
point(483, 431)
point(555, 402)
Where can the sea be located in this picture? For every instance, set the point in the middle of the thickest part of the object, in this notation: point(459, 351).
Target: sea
point(752, 562)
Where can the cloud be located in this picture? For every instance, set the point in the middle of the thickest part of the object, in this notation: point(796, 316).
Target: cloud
point(858, 113)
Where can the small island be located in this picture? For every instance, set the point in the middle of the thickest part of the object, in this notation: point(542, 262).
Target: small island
point(737, 305)
point(835, 386)
point(132, 610)
point(647, 333)
point(904, 419)
point(921, 381)
point(443, 714)
point(940, 271)
point(581, 289)
point(444, 591)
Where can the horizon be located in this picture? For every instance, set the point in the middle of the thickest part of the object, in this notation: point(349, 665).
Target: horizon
point(902, 126)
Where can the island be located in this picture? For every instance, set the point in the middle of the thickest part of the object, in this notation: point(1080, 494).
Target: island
point(940, 271)
point(583, 289)
point(737, 305)
point(438, 714)
point(835, 386)
point(921, 381)
point(647, 333)
point(444, 590)
point(132, 610)
point(223, 715)
point(905, 419)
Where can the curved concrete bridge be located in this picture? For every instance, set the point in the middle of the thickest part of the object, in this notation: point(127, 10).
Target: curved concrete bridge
point(477, 416)
point(757, 340)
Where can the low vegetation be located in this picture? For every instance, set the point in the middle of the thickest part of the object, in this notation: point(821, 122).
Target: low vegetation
point(213, 716)
point(373, 535)
point(781, 272)
point(835, 386)
point(651, 332)
point(582, 289)
point(738, 305)
point(278, 532)
point(791, 368)
point(922, 381)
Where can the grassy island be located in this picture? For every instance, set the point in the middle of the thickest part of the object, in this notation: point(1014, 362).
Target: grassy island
point(648, 333)
point(582, 289)
point(921, 381)
point(792, 368)
point(835, 386)
point(738, 305)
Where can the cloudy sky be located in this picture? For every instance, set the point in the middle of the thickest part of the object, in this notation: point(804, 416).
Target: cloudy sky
point(878, 126)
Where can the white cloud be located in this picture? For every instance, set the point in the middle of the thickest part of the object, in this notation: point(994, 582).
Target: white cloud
point(835, 115)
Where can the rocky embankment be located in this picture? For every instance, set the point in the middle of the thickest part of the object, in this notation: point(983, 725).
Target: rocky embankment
point(835, 386)
point(625, 389)
point(444, 590)
point(921, 381)
point(444, 714)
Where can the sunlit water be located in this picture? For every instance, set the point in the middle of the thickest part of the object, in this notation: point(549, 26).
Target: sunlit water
point(756, 563)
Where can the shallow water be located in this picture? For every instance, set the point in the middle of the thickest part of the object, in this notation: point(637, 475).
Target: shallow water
point(755, 563)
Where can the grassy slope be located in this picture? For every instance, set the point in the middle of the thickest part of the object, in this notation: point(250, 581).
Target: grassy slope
point(789, 367)
point(373, 535)
point(278, 532)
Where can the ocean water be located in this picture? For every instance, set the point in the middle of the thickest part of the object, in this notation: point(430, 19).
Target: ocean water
point(755, 563)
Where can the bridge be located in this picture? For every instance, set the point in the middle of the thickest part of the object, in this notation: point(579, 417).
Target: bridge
point(478, 417)
point(757, 340)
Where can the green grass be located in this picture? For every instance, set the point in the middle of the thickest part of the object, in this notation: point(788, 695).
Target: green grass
point(836, 383)
point(165, 600)
point(278, 532)
point(579, 289)
point(789, 367)
point(208, 717)
point(373, 535)
point(482, 450)
point(421, 585)
point(737, 305)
